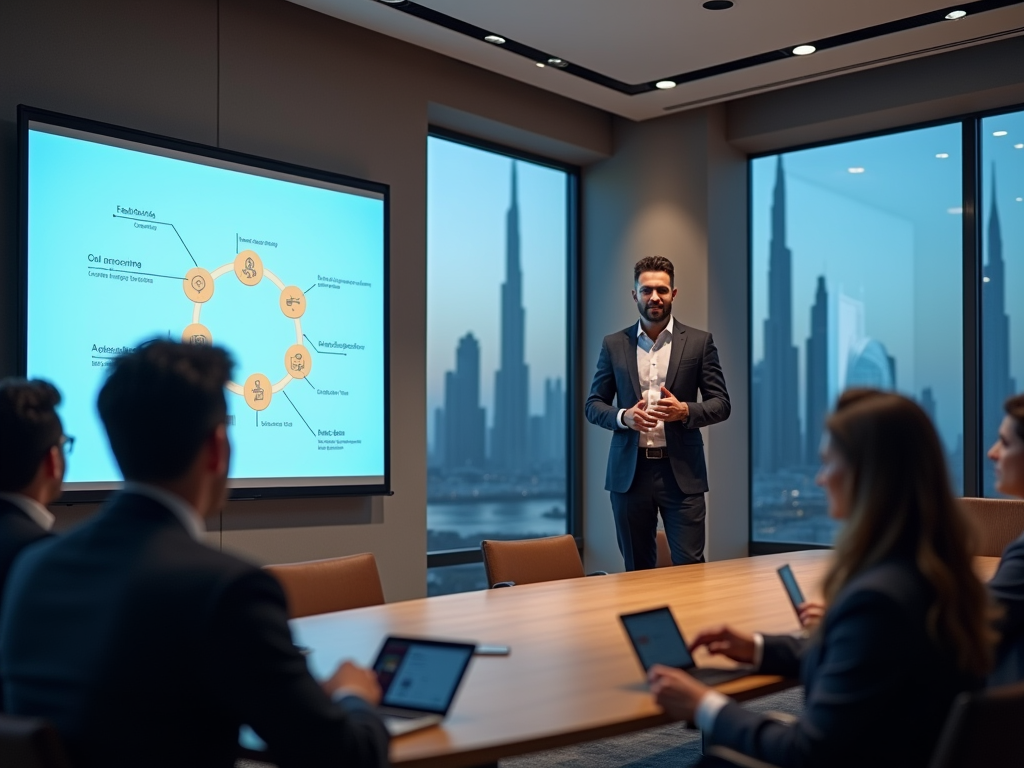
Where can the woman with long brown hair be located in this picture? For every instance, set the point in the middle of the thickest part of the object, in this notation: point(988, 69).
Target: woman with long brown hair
point(1007, 586)
point(907, 625)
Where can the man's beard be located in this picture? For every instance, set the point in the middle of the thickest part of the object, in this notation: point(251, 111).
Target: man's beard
point(666, 310)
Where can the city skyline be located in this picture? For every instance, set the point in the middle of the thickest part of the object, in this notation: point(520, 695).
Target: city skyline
point(469, 199)
point(515, 440)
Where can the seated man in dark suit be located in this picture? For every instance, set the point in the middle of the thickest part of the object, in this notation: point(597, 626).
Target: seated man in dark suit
point(144, 646)
point(32, 445)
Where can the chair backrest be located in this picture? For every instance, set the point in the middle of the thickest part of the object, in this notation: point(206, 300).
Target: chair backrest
point(664, 553)
point(983, 729)
point(532, 560)
point(29, 742)
point(323, 586)
point(998, 522)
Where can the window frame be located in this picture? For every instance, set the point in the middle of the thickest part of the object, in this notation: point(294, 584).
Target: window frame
point(573, 348)
point(973, 262)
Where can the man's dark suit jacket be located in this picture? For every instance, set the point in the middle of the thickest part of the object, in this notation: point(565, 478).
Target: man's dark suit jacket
point(1007, 586)
point(878, 689)
point(145, 647)
point(17, 531)
point(693, 366)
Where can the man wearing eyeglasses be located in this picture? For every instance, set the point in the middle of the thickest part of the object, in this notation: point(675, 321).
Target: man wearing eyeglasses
point(32, 445)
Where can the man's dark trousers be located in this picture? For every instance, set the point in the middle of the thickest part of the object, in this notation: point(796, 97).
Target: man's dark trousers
point(654, 490)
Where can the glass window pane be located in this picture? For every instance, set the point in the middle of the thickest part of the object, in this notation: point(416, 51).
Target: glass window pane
point(450, 579)
point(856, 261)
point(497, 260)
point(1002, 237)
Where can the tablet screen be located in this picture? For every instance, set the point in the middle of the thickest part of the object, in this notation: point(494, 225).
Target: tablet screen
point(657, 639)
point(421, 675)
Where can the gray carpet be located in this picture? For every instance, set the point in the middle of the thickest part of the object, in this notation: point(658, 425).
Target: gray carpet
point(670, 745)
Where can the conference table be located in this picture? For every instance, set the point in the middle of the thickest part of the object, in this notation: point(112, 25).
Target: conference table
point(571, 675)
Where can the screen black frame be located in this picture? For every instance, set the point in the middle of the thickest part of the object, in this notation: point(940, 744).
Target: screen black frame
point(660, 610)
point(28, 114)
point(433, 643)
point(789, 584)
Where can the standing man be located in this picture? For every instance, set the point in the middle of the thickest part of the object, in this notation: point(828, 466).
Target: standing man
point(653, 371)
point(32, 445)
point(142, 645)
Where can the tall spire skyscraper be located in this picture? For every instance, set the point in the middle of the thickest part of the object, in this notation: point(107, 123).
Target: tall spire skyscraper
point(779, 420)
point(996, 382)
point(510, 448)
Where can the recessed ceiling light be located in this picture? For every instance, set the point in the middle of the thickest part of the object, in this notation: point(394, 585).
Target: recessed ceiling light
point(541, 64)
point(1018, 146)
point(718, 5)
point(665, 84)
point(999, 133)
point(954, 15)
point(554, 61)
point(955, 211)
point(942, 155)
point(985, 279)
point(1020, 199)
point(496, 39)
point(804, 50)
point(856, 169)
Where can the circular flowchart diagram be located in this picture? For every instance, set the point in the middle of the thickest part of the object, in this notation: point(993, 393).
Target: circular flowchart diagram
point(199, 286)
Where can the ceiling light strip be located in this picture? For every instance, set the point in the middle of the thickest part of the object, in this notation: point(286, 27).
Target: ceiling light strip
point(825, 74)
point(538, 56)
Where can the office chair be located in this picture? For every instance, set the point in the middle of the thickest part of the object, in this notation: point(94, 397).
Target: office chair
point(983, 728)
point(324, 586)
point(532, 560)
point(997, 521)
point(29, 742)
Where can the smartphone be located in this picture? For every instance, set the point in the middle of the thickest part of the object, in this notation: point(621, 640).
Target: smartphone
point(493, 650)
point(796, 597)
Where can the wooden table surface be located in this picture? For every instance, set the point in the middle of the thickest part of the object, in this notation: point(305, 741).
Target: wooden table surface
point(572, 675)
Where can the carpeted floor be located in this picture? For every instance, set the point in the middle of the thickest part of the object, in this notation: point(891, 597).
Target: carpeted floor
point(670, 746)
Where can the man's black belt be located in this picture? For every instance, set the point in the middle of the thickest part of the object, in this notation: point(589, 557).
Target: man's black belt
point(654, 453)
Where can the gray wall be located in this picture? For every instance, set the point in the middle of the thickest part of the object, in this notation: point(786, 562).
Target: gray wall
point(674, 188)
point(274, 79)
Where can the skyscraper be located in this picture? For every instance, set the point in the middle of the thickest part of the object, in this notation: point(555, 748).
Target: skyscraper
point(817, 374)
point(996, 382)
point(779, 419)
point(464, 420)
point(509, 447)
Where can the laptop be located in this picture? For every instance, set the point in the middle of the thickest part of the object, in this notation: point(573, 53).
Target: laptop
point(657, 640)
point(418, 681)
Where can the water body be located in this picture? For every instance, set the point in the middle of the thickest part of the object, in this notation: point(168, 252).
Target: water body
point(515, 518)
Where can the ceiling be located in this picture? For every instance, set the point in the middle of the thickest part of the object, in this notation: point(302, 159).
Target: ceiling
point(637, 42)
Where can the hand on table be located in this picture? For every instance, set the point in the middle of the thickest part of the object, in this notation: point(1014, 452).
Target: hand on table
point(738, 646)
point(675, 691)
point(354, 680)
point(810, 614)
point(668, 408)
point(637, 418)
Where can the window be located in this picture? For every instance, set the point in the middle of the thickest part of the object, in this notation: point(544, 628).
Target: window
point(857, 280)
point(499, 251)
point(1002, 241)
